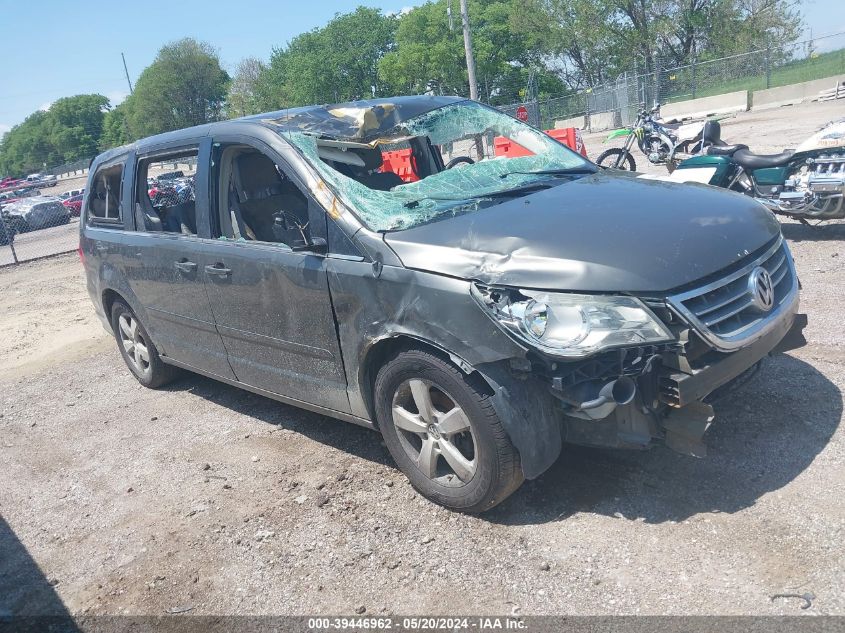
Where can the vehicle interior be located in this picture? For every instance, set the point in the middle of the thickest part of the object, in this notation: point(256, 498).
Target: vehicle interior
point(105, 199)
point(368, 165)
point(257, 200)
point(165, 204)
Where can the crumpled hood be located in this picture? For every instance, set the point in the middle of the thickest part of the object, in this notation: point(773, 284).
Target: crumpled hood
point(602, 233)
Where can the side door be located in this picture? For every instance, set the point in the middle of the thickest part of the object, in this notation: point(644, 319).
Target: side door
point(271, 303)
point(164, 255)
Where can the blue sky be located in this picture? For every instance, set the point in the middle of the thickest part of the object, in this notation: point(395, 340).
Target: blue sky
point(56, 48)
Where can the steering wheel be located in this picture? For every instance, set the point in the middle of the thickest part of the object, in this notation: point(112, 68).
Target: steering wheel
point(458, 160)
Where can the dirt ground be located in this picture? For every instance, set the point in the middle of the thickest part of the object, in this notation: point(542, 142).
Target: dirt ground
point(119, 500)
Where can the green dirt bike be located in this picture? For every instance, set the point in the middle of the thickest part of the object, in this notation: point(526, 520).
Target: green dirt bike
point(807, 183)
point(662, 143)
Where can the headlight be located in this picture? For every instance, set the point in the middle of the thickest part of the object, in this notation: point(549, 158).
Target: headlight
point(572, 325)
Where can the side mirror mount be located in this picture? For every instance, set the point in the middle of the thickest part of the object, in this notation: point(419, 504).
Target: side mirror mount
point(315, 245)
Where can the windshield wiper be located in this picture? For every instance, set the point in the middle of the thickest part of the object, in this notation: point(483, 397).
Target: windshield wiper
point(504, 193)
point(554, 172)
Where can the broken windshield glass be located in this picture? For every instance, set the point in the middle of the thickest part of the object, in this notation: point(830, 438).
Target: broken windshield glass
point(483, 144)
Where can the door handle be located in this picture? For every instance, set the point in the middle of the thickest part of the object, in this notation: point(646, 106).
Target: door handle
point(185, 266)
point(218, 269)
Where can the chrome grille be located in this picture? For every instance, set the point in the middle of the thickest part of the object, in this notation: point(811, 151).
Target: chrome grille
point(724, 311)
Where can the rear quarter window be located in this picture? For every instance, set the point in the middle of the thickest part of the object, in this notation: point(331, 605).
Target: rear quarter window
point(105, 201)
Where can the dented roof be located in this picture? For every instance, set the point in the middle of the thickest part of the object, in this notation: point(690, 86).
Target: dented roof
point(360, 121)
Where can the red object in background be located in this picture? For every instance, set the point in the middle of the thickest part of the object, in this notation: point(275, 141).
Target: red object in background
point(570, 136)
point(399, 162)
point(505, 147)
point(74, 205)
point(522, 113)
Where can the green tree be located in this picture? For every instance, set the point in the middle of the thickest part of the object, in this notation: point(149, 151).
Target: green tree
point(590, 41)
point(573, 38)
point(338, 62)
point(429, 56)
point(183, 87)
point(115, 128)
point(69, 130)
point(242, 98)
point(76, 124)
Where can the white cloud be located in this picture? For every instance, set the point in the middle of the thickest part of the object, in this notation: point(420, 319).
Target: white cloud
point(116, 97)
point(45, 106)
point(4, 127)
point(399, 12)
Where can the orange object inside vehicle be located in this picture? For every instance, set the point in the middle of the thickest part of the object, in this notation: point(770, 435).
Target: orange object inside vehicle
point(570, 136)
point(400, 162)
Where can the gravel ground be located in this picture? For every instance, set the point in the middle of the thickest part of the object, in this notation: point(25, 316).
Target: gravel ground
point(116, 499)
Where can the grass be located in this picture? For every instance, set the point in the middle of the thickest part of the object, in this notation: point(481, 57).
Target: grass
point(819, 67)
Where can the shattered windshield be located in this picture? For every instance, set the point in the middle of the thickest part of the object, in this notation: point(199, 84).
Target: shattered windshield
point(453, 159)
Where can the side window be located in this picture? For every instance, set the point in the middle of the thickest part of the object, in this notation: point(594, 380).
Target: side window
point(256, 200)
point(165, 198)
point(104, 203)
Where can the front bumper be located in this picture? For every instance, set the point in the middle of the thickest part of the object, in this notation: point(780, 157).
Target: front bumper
point(680, 388)
point(674, 389)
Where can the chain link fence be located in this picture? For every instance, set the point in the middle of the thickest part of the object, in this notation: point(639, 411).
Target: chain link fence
point(615, 103)
point(43, 219)
point(38, 226)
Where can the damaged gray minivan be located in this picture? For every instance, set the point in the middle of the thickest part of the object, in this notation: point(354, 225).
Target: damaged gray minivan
point(435, 269)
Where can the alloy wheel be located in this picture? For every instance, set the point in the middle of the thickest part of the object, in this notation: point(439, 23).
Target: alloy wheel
point(133, 343)
point(435, 432)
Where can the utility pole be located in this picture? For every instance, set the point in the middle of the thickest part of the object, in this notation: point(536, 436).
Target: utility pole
point(126, 70)
point(473, 86)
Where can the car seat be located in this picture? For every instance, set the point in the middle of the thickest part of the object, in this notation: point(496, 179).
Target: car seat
point(369, 174)
point(268, 204)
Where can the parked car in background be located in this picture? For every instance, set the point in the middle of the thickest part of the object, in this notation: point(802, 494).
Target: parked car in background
point(9, 197)
point(44, 180)
point(478, 317)
point(73, 192)
point(32, 214)
point(73, 204)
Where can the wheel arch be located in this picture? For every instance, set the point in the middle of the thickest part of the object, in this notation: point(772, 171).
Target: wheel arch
point(524, 407)
point(386, 347)
point(109, 296)
point(113, 292)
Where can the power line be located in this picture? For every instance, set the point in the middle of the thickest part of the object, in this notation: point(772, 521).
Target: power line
point(126, 70)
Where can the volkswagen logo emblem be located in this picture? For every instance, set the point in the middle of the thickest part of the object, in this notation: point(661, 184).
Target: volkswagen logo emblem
point(761, 289)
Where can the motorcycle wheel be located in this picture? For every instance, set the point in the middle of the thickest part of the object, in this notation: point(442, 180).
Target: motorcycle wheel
point(616, 158)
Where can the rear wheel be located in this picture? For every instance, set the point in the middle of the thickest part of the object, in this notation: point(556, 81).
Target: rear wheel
point(616, 158)
point(137, 349)
point(444, 434)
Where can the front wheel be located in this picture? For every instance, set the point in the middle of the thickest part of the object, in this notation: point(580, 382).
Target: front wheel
point(444, 434)
point(616, 158)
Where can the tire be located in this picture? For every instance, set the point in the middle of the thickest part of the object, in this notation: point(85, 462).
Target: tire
point(608, 158)
point(151, 372)
point(486, 468)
